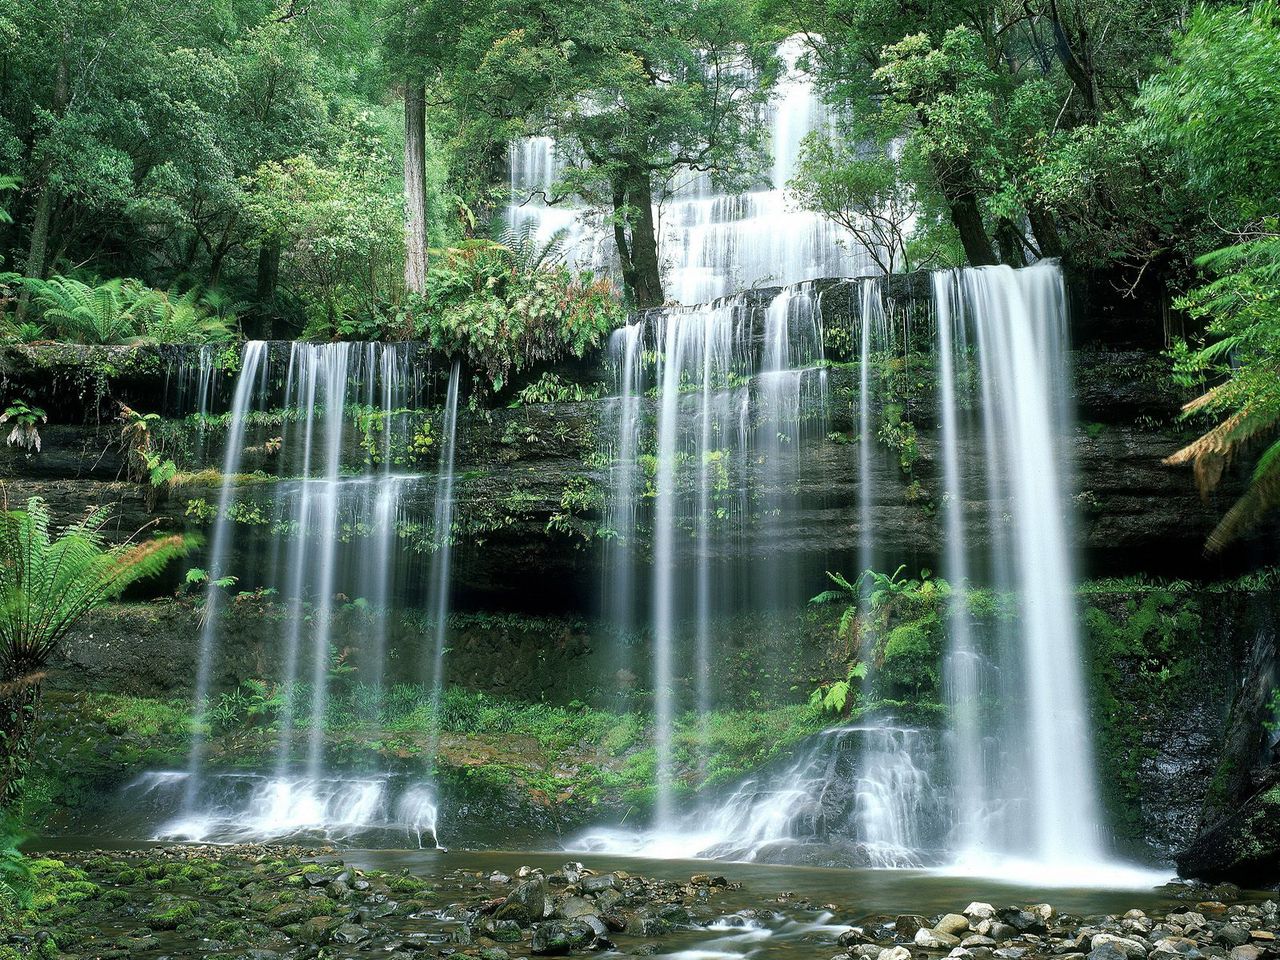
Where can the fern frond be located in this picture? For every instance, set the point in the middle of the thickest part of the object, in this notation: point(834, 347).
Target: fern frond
point(1262, 495)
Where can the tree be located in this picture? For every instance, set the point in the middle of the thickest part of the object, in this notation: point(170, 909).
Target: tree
point(415, 186)
point(48, 581)
point(1217, 109)
point(863, 191)
point(988, 95)
point(637, 93)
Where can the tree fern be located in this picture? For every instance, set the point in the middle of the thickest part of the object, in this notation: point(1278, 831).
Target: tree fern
point(103, 314)
point(526, 252)
point(48, 580)
point(1240, 349)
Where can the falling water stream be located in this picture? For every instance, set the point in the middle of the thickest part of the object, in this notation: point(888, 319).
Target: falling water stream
point(334, 530)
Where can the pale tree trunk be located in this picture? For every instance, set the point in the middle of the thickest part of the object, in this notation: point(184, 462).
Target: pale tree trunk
point(40, 227)
point(415, 187)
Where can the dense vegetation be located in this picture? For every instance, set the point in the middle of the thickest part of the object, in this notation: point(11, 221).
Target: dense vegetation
point(337, 170)
point(180, 173)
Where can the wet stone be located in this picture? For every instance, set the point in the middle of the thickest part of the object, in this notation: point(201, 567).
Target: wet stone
point(571, 908)
point(598, 884)
point(908, 923)
point(349, 933)
point(953, 924)
point(1130, 948)
point(1231, 935)
point(935, 940)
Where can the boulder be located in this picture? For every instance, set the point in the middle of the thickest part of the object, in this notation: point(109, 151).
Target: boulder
point(977, 940)
point(606, 881)
point(555, 938)
point(1243, 848)
point(894, 953)
point(1023, 921)
point(935, 939)
point(979, 911)
point(1107, 951)
point(526, 903)
point(1130, 948)
point(349, 933)
point(953, 924)
point(908, 923)
point(571, 908)
point(1231, 935)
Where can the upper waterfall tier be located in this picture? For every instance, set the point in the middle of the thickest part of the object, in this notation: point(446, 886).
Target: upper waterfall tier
point(711, 242)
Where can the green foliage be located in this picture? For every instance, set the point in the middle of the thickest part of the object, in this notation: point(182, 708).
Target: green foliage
point(894, 625)
point(837, 696)
point(17, 885)
point(549, 388)
point(341, 232)
point(899, 434)
point(1217, 107)
point(482, 304)
point(26, 421)
point(48, 581)
point(7, 184)
point(124, 311)
point(862, 190)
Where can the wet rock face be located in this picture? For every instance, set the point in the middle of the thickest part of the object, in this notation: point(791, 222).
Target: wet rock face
point(1244, 847)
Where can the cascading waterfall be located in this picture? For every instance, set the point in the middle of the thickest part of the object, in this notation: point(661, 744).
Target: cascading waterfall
point(711, 243)
point(1015, 780)
point(253, 360)
point(738, 386)
point(964, 666)
point(438, 599)
point(1018, 324)
point(339, 502)
point(715, 407)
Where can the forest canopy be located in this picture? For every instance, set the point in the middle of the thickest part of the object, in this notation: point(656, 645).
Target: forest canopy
point(192, 172)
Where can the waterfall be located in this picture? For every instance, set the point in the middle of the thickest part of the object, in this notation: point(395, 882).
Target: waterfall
point(253, 359)
point(343, 414)
point(1009, 779)
point(739, 385)
point(1050, 815)
point(964, 666)
point(442, 531)
point(710, 243)
point(625, 346)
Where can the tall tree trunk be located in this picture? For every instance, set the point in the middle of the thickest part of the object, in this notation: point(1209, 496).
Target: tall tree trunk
point(1045, 230)
point(40, 227)
point(644, 277)
point(1009, 240)
point(264, 295)
point(967, 219)
point(415, 186)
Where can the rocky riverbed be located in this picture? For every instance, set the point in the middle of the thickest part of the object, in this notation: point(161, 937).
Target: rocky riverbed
point(263, 903)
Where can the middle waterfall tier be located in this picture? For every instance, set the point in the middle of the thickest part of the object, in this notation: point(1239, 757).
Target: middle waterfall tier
point(870, 428)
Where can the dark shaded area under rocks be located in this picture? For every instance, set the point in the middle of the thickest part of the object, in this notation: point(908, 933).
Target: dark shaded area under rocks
point(262, 903)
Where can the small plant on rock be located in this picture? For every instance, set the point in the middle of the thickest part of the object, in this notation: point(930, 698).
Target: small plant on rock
point(26, 421)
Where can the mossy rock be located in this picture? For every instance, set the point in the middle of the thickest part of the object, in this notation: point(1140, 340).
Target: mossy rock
point(1243, 849)
point(169, 914)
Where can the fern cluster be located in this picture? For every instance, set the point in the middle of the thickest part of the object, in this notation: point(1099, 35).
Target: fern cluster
point(1241, 351)
point(506, 305)
point(116, 311)
point(17, 885)
point(49, 579)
